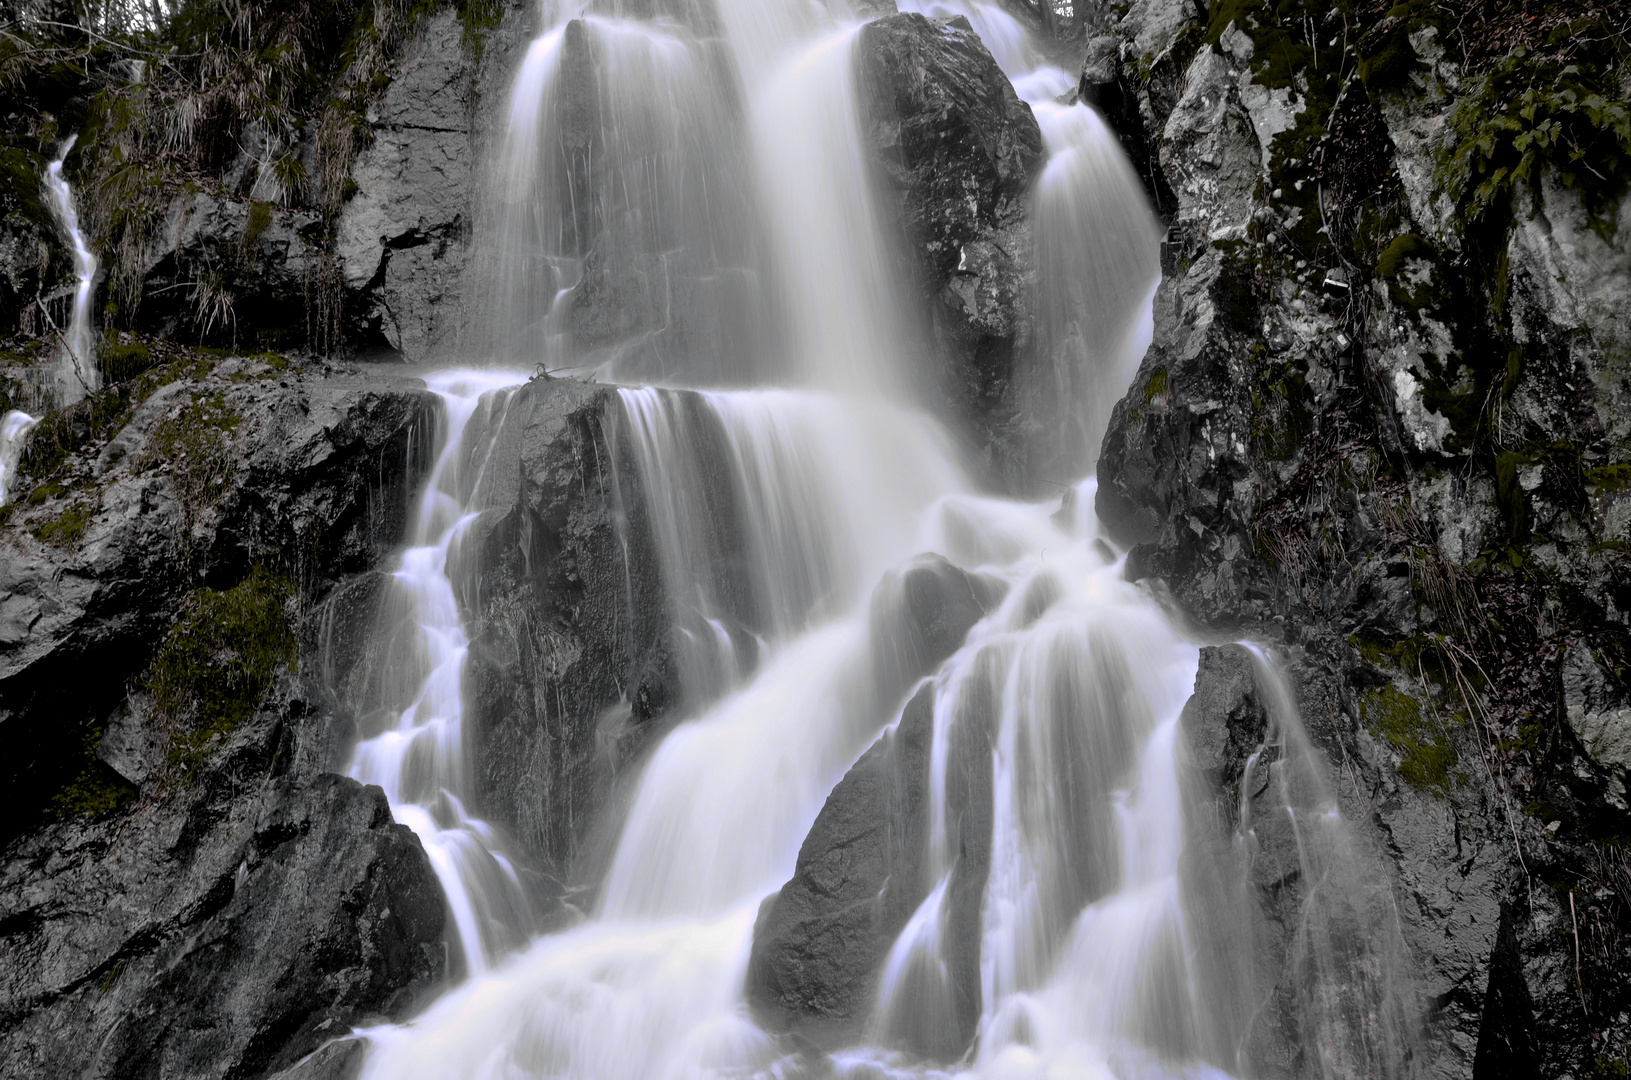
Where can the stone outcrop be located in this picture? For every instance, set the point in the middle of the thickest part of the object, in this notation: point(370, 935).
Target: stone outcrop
point(958, 154)
point(402, 242)
point(229, 933)
point(207, 477)
point(196, 894)
point(569, 668)
point(863, 870)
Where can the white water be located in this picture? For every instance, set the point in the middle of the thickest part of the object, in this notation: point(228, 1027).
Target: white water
point(14, 429)
point(419, 760)
point(78, 372)
point(1102, 949)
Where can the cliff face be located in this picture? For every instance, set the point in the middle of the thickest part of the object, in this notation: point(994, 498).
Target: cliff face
point(181, 542)
point(1382, 424)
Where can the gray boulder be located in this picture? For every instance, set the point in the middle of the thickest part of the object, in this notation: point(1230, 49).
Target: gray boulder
point(863, 870)
point(958, 153)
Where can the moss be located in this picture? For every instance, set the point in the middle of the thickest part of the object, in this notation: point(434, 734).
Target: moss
point(218, 660)
point(478, 17)
point(125, 361)
point(259, 220)
point(1427, 758)
point(67, 528)
point(1391, 263)
point(97, 790)
point(197, 445)
point(1608, 478)
point(1531, 113)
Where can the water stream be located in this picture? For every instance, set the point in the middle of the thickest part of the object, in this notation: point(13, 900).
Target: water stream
point(78, 374)
point(718, 149)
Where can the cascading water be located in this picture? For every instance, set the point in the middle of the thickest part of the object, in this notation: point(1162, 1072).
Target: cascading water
point(1063, 928)
point(78, 372)
point(1096, 249)
point(419, 758)
point(14, 429)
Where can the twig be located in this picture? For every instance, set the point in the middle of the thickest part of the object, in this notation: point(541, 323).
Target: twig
point(1578, 985)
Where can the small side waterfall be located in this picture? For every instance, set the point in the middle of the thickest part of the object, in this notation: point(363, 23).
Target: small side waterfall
point(78, 374)
point(14, 429)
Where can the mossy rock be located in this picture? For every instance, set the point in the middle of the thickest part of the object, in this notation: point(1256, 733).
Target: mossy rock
point(219, 659)
point(1427, 758)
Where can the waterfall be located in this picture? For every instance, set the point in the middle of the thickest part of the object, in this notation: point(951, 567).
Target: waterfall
point(1096, 250)
point(418, 759)
point(1071, 920)
point(78, 372)
point(14, 429)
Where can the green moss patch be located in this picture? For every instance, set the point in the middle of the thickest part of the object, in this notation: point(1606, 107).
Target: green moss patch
point(1427, 757)
point(196, 442)
point(219, 659)
point(97, 790)
point(65, 529)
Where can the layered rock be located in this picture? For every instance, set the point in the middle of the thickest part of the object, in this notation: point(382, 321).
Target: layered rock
point(192, 891)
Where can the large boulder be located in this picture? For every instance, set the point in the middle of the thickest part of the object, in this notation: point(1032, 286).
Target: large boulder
point(958, 153)
point(861, 873)
point(865, 868)
point(569, 659)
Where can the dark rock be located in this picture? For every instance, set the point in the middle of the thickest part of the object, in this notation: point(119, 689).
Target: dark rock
point(321, 491)
point(569, 621)
point(342, 1060)
point(959, 152)
point(920, 616)
point(863, 870)
point(861, 873)
point(1224, 721)
point(223, 932)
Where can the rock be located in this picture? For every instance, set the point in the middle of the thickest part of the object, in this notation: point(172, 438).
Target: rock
point(1598, 712)
point(324, 467)
point(820, 942)
point(1224, 721)
point(228, 270)
point(920, 616)
point(402, 241)
point(958, 153)
point(218, 933)
point(863, 870)
point(569, 667)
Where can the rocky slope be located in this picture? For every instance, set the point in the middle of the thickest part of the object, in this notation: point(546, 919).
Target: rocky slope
point(178, 541)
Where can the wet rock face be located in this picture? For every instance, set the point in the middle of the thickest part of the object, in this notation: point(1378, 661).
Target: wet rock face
point(569, 669)
point(1302, 459)
point(221, 906)
point(318, 488)
point(820, 943)
point(959, 154)
point(226, 935)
